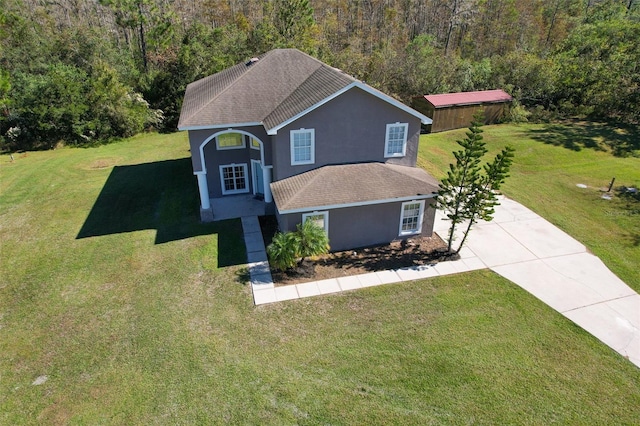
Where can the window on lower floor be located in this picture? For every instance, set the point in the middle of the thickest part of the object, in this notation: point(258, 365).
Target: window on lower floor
point(234, 179)
point(411, 217)
point(230, 141)
point(395, 144)
point(320, 218)
point(302, 147)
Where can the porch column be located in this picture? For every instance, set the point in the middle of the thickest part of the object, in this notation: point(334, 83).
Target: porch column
point(266, 178)
point(204, 190)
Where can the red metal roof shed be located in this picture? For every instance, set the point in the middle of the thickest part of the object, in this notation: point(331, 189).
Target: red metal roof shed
point(456, 110)
point(468, 98)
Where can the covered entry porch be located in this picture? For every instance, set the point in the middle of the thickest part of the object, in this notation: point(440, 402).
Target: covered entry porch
point(236, 206)
point(233, 175)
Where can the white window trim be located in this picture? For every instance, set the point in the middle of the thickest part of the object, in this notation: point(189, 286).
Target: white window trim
point(254, 182)
point(225, 148)
point(235, 191)
point(420, 218)
point(404, 142)
point(257, 148)
point(313, 147)
point(317, 213)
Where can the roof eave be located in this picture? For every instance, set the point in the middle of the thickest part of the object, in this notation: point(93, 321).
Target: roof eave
point(358, 203)
point(497, 101)
point(219, 126)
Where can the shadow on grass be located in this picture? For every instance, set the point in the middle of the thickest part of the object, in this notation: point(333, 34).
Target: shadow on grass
point(160, 196)
point(243, 276)
point(622, 140)
point(628, 204)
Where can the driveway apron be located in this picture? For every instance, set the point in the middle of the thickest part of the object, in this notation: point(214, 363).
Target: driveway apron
point(537, 256)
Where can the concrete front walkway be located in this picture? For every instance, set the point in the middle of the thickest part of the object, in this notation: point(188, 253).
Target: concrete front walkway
point(519, 245)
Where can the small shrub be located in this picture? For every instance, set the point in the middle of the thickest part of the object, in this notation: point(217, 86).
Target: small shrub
point(540, 114)
point(518, 113)
point(282, 251)
point(311, 240)
point(288, 248)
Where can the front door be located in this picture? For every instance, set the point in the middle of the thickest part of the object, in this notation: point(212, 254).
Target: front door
point(258, 178)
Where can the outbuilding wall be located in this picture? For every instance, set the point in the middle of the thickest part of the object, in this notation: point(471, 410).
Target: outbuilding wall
point(459, 116)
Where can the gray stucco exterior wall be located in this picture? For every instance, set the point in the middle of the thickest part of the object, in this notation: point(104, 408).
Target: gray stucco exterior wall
point(214, 158)
point(350, 128)
point(354, 227)
point(197, 137)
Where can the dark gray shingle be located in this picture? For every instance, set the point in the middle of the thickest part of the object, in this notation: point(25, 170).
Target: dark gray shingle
point(351, 183)
point(277, 87)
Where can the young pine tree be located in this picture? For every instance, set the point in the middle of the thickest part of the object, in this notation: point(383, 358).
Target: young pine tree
point(468, 192)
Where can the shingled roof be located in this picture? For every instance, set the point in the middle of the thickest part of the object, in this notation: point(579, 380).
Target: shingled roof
point(351, 184)
point(271, 90)
point(468, 98)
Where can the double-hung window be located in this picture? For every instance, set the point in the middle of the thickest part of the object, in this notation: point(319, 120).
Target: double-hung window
point(319, 218)
point(395, 144)
point(302, 147)
point(411, 217)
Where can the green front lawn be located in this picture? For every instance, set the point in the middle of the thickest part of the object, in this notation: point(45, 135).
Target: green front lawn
point(550, 160)
point(138, 314)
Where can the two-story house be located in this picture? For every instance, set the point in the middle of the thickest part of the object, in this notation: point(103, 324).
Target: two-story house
point(310, 143)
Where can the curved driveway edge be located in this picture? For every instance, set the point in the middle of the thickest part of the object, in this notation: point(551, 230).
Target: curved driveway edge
point(537, 256)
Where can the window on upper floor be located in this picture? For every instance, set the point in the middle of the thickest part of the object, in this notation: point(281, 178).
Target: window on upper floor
point(255, 144)
point(230, 141)
point(302, 147)
point(395, 144)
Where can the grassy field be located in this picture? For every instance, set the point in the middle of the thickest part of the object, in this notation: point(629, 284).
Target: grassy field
point(550, 160)
point(126, 310)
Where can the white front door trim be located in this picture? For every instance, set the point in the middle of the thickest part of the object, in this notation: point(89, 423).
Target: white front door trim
point(256, 189)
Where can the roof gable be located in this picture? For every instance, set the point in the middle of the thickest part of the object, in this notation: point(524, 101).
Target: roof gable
point(468, 98)
point(273, 90)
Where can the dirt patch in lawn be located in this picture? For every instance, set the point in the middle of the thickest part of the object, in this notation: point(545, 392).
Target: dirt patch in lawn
point(398, 254)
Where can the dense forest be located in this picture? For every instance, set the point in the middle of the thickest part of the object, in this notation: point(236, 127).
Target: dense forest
point(81, 72)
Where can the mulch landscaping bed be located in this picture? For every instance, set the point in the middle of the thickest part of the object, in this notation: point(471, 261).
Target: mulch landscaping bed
point(398, 254)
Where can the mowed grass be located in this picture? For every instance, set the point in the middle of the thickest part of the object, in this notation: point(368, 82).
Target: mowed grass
point(550, 160)
point(138, 314)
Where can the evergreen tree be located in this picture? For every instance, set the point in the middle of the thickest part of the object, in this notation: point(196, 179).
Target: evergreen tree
point(468, 192)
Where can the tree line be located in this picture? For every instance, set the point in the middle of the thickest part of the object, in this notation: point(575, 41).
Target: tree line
point(83, 72)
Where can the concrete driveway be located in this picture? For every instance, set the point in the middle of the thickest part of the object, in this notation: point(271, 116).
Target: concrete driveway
point(526, 249)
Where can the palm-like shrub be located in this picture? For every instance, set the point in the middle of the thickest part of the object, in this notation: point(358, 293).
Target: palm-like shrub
point(286, 248)
point(311, 240)
point(282, 251)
